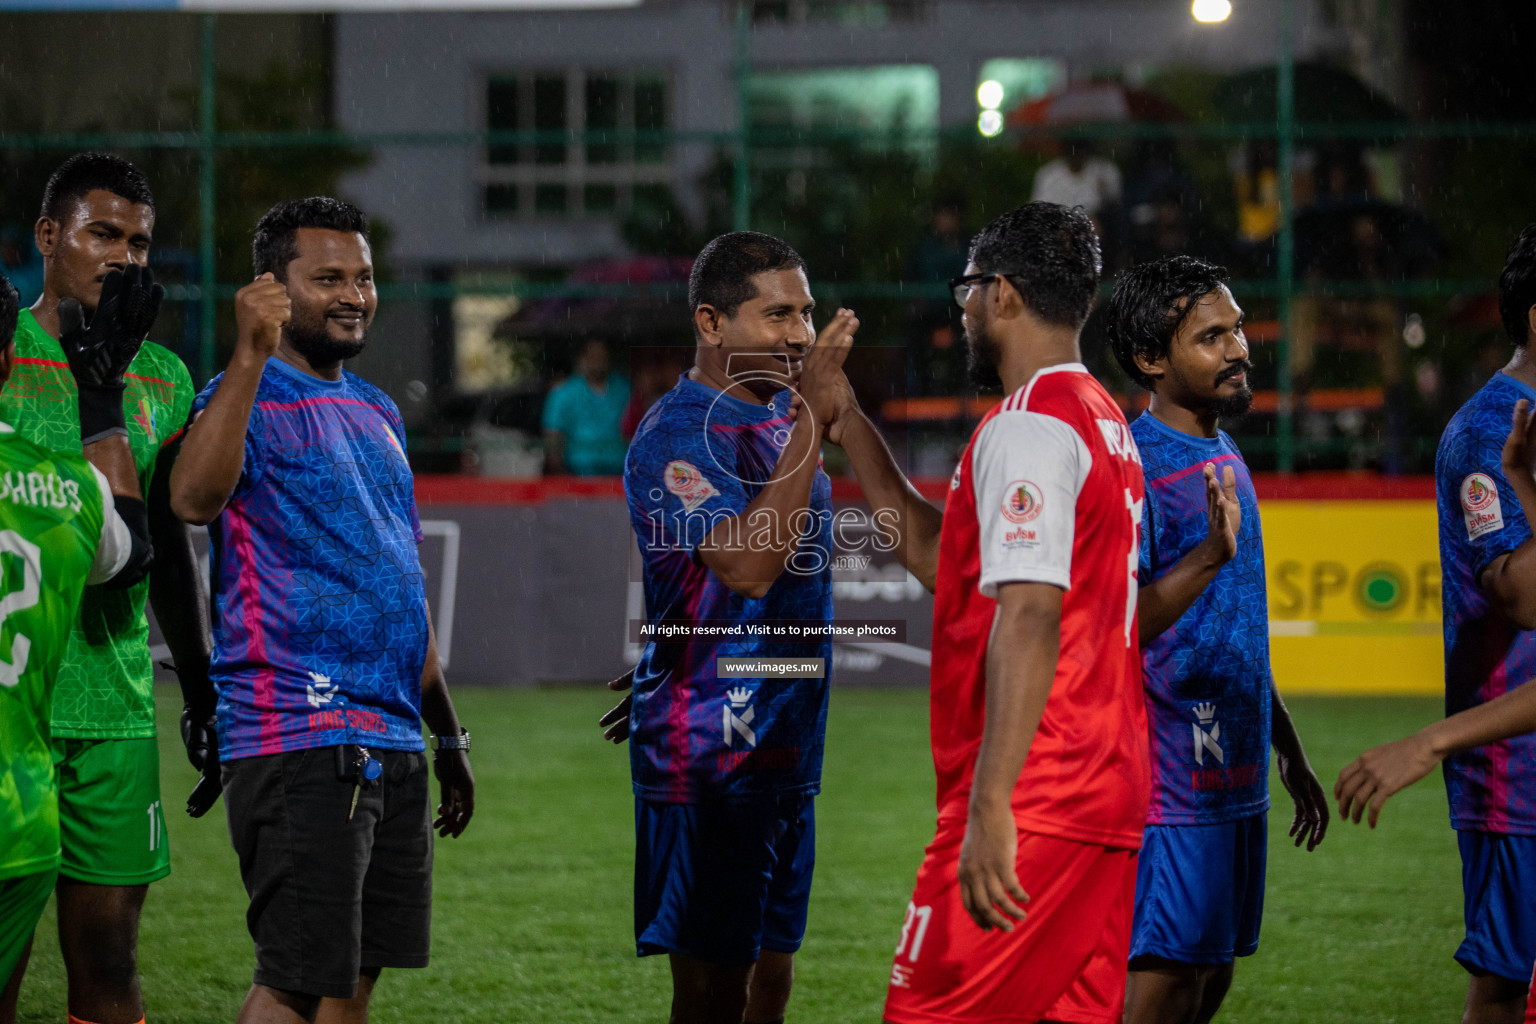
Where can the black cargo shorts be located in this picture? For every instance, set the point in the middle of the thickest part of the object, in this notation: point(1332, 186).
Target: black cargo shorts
point(331, 897)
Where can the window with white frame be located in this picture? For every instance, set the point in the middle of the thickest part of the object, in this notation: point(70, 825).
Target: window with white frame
point(557, 177)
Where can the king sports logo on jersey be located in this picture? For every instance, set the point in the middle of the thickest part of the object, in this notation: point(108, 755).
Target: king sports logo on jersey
point(738, 716)
point(1480, 505)
point(1207, 733)
point(320, 689)
point(684, 480)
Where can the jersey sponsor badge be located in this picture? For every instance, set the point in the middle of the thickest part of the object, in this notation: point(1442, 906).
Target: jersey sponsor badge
point(1480, 505)
point(684, 480)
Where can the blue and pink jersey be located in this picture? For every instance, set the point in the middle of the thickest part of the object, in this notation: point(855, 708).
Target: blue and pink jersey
point(1491, 788)
point(1207, 677)
point(699, 457)
point(320, 620)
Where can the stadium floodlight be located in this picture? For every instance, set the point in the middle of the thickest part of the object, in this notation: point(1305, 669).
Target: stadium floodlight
point(990, 94)
point(1210, 11)
point(990, 123)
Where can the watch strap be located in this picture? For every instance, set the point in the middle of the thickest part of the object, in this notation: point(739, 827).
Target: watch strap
point(459, 742)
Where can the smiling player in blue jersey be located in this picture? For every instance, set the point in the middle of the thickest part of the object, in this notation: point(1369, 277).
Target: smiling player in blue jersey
point(731, 510)
point(324, 656)
point(1211, 699)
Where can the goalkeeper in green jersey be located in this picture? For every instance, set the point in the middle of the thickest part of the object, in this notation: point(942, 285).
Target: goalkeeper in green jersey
point(97, 217)
point(65, 522)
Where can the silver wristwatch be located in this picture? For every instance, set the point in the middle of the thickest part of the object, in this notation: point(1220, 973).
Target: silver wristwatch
point(459, 742)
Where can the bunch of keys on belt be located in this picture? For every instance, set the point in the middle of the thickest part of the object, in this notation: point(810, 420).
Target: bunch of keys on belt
point(366, 771)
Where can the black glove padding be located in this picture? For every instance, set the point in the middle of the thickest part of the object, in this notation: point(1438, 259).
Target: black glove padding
point(206, 793)
point(99, 354)
point(199, 734)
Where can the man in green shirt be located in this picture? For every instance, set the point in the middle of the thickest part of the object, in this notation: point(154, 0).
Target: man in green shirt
point(65, 522)
point(97, 216)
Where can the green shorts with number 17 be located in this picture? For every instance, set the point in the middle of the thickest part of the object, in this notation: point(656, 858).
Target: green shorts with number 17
point(111, 825)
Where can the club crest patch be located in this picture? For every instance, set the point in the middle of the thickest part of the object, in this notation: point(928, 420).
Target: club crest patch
point(1022, 502)
point(1480, 505)
point(684, 480)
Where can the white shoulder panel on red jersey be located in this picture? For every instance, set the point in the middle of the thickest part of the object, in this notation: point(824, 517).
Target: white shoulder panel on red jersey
point(1027, 470)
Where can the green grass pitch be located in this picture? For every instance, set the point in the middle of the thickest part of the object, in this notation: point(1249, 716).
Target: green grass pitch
point(532, 916)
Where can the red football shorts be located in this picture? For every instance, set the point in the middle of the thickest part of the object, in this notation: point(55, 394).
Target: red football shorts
point(1065, 961)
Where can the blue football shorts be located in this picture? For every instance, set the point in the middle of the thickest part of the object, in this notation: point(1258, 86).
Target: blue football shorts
point(1200, 891)
point(1498, 875)
point(723, 881)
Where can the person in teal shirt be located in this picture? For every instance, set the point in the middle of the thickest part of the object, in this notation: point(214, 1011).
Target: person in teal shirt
point(582, 416)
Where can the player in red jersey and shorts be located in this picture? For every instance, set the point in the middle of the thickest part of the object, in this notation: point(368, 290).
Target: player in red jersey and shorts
point(1022, 910)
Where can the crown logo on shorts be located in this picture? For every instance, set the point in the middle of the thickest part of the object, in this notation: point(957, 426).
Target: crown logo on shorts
point(740, 697)
point(1205, 712)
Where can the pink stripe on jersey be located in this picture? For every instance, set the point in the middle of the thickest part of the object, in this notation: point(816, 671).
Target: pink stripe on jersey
point(678, 714)
point(742, 428)
point(249, 589)
point(305, 403)
point(1157, 744)
point(1198, 467)
point(1498, 758)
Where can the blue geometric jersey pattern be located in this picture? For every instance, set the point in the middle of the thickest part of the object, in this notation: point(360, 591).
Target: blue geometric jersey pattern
point(698, 457)
point(1491, 788)
point(1207, 677)
point(320, 629)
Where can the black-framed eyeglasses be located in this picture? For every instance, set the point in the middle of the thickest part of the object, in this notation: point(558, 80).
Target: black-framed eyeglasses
point(960, 288)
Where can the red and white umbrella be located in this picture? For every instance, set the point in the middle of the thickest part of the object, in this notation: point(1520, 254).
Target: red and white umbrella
point(1095, 102)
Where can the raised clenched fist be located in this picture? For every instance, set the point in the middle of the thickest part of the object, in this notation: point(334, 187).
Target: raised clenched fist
point(261, 309)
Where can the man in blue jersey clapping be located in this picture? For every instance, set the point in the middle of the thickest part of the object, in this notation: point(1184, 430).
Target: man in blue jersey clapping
point(732, 512)
point(1211, 700)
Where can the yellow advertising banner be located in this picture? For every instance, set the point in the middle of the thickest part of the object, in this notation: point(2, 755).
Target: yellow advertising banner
point(1354, 596)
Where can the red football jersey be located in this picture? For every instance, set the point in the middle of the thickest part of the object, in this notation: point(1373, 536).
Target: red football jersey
point(1049, 490)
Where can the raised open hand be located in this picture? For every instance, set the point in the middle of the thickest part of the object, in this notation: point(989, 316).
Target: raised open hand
point(1224, 515)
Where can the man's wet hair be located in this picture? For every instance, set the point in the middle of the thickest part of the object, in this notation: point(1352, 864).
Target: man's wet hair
point(1517, 286)
point(722, 274)
point(1149, 304)
point(275, 244)
point(1050, 253)
point(84, 173)
point(10, 308)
